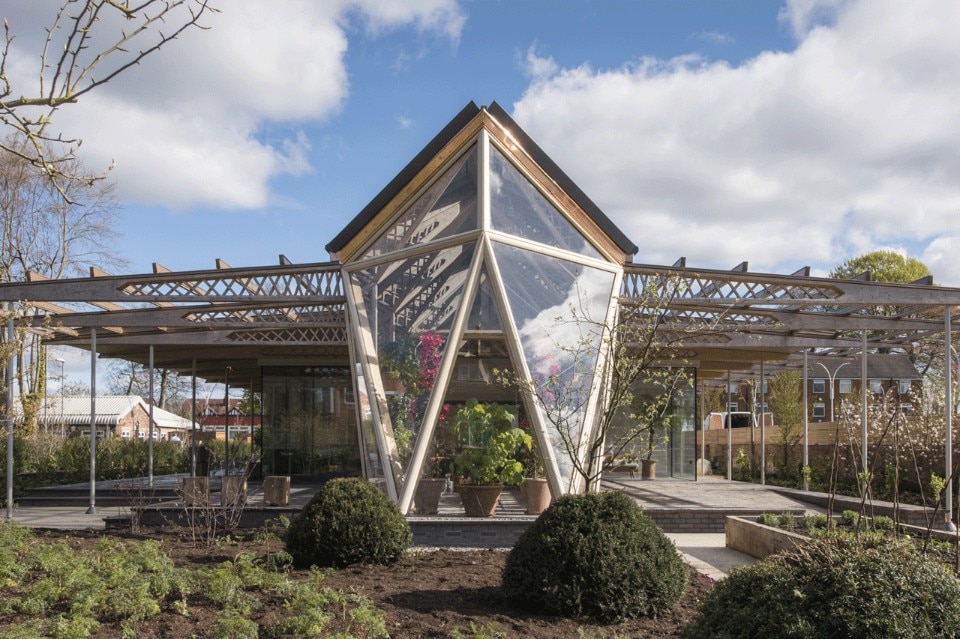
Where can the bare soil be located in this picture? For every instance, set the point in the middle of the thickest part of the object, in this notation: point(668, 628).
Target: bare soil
point(427, 594)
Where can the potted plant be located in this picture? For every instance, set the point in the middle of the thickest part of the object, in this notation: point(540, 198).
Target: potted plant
point(435, 471)
point(656, 430)
point(487, 459)
point(534, 487)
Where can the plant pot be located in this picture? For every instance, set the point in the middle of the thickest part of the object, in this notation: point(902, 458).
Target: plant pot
point(480, 501)
point(393, 385)
point(427, 496)
point(536, 492)
point(648, 469)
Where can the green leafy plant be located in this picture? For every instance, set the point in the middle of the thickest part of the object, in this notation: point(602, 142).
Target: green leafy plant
point(850, 518)
point(856, 588)
point(595, 555)
point(769, 519)
point(348, 521)
point(937, 484)
point(490, 445)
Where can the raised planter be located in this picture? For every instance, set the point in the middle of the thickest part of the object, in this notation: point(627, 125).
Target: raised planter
point(426, 498)
point(276, 490)
point(479, 501)
point(757, 540)
point(648, 469)
point(536, 492)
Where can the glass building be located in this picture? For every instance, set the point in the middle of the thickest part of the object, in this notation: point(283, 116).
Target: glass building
point(481, 271)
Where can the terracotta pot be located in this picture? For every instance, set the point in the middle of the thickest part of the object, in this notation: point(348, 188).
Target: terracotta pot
point(392, 385)
point(480, 501)
point(648, 469)
point(427, 496)
point(536, 492)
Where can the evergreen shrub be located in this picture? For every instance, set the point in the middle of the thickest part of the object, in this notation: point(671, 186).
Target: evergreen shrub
point(595, 555)
point(866, 588)
point(349, 521)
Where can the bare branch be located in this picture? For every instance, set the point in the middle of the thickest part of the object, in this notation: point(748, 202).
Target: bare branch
point(68, 71)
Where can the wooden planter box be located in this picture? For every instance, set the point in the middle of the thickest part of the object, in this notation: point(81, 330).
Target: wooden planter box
point(276, 490)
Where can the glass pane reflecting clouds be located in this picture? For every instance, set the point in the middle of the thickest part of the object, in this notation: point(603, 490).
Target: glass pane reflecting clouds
point(518, 208)
point(558, 308)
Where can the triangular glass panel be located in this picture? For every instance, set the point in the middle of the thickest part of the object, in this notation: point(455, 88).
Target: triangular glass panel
point(518, 208)
point(558, 309)
point(448, 207)
point(406, 313)
point(482, 357)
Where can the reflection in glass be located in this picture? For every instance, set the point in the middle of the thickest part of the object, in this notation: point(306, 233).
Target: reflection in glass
point(310, 429)
point(674, 449)
point(448, 207)
point(518, 208)
point(370, 452)
point(561, 354)
point(407, 308)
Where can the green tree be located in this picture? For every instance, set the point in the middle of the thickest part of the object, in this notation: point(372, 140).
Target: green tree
point(883, 266)
point(786, 404)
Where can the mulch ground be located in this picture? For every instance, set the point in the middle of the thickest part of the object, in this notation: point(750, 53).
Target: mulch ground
point(427, 594)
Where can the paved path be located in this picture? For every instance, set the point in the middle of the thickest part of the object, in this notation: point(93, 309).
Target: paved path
point(708, 554)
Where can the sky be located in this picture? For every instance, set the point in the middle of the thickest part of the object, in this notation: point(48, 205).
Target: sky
point(791, 134)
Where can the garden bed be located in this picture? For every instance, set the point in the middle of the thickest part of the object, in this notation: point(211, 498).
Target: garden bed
point(437, 594)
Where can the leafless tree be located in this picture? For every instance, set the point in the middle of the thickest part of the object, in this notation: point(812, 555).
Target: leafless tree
point(169, 388)
point(88, 44)
point(44, 233)
point(49, 235)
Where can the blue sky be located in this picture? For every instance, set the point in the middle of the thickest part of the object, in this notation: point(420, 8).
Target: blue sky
point(786, 134)
point(404, 84)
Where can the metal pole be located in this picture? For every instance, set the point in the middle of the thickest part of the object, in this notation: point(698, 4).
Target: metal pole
point(863, 408)
point(806, 425)
point(698, 468)
point(763, 432)
point(150, 439)
point(193, 419)
point(948, 397)
point(11, 337)
point(729, 426)
point(62, 425)
point(226, 422)
point(92, 510)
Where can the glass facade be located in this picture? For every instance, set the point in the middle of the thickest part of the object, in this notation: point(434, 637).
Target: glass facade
point(475, 287)
point(673, 443)
point(479, 282)
point(310, 422)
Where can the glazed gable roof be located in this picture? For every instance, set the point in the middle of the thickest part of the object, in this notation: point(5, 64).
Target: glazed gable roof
point(461, 121)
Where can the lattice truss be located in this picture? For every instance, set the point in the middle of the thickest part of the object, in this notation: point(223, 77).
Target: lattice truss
point(303, 305)
point(295, 303)
point(750, 310)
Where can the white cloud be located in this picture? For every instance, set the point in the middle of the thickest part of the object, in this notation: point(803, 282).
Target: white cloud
point(715, 37)
point(537, 67)
point(187, 127)
point(803, 15)
point(845, 144)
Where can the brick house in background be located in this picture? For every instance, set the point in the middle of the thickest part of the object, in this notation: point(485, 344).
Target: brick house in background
point(893, 375)
point(213, 416)
point(125, 416)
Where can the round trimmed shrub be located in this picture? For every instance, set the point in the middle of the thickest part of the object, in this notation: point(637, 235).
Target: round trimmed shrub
point(834, 587)
point(597, 556)
point(349, 521)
